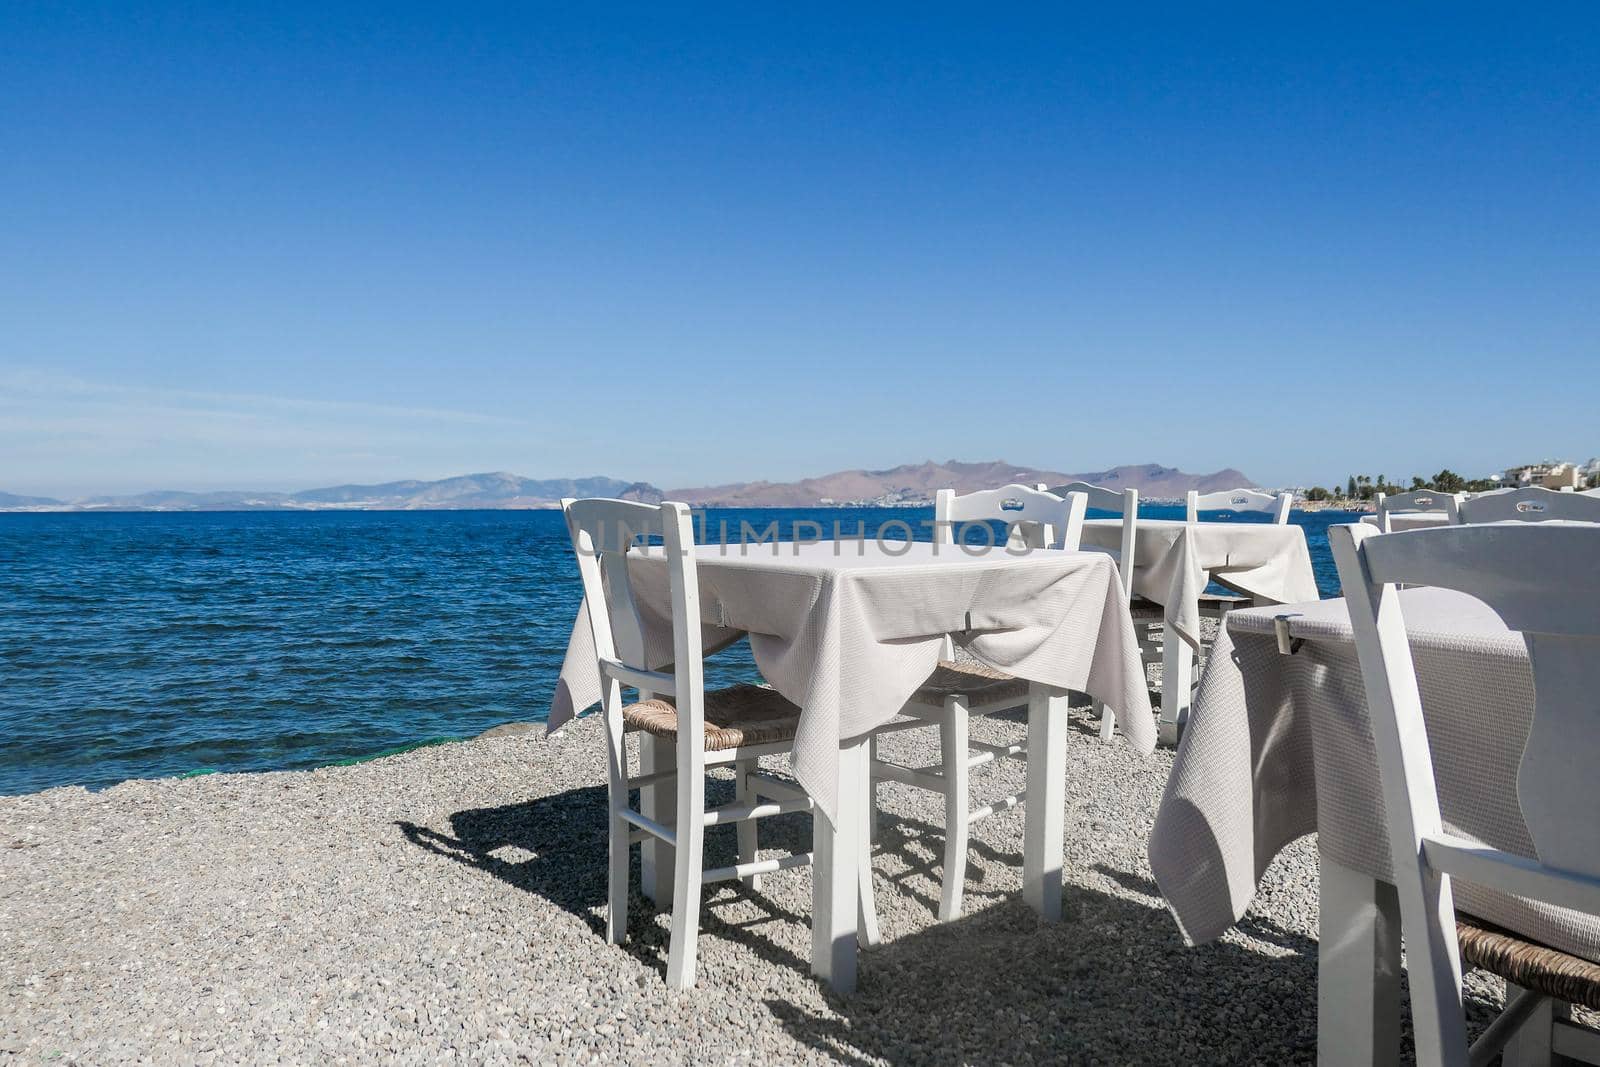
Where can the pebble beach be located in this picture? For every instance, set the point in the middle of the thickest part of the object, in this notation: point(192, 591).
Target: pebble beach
point(446, 905)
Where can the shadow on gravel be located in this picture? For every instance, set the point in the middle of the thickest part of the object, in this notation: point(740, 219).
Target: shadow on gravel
point(555, 848)
point(1112, 983)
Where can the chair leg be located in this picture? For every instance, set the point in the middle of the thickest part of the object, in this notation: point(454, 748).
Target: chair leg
point(618, 831)
point(872, 795)
point(746, 830)
point(1433, 966)
point(1531, 1046)
point(1108, 722)
point(867, 908)
point(689, 873)
point(659, 802)
point(954, 755)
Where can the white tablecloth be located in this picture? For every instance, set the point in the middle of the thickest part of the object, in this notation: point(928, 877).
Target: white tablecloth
point(848, 630)
point(1174, 561)
point(1279, 746)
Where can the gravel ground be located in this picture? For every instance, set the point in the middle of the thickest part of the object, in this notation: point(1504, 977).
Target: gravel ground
point(447, 904)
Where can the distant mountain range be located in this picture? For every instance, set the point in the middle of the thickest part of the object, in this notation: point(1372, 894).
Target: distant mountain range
point(918, 482)
point(908, 484)
point(498, 490)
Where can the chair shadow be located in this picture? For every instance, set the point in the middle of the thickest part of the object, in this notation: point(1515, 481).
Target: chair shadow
point(559, 845)
point(1112, 982)
point(919, 846)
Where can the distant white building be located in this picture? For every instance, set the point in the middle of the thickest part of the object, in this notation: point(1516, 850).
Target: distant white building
point(1551, 474)
point(1591, 473)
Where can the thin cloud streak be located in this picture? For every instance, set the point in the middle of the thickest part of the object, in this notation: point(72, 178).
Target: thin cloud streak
point(41, 385)
point(69, 437)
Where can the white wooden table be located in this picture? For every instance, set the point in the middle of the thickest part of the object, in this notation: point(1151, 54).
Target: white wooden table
point(1175, 560)
point(1279, 746)
point(848, 631)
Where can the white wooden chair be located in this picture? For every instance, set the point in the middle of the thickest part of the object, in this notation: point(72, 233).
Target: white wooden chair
point(1230, 502)
point(1146, 613)
point(733, 726)
point(1240, 501)
point(1545, 582)
point(957, 691)
point(1531, 504)
point(1417, 501)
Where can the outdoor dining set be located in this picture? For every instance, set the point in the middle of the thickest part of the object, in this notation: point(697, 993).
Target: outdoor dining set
point(1435, 726)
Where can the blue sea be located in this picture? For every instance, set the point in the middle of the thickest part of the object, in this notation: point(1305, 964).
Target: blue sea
point(150, 645)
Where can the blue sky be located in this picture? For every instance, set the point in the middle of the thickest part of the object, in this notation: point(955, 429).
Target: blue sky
point(282, 247)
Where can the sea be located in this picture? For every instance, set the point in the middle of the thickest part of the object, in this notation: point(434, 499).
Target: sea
point(140, 645)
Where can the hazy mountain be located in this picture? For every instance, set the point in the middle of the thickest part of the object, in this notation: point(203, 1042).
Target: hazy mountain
point(12, 500)
point(906, 484)
point(175, 500)
point(497, 490)
point(920, 481)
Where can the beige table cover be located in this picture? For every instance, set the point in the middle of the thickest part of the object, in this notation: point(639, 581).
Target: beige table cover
point(1280, 745)
point(848, 630)
point(1174, 561)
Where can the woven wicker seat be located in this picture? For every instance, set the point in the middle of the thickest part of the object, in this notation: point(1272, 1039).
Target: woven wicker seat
point(1528, 964)
point(737, 716)
point(973, 680)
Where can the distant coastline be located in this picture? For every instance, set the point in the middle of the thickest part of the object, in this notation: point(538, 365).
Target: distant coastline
point(909, 485)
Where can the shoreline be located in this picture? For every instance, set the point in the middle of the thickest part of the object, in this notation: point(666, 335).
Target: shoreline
point(1353, 506)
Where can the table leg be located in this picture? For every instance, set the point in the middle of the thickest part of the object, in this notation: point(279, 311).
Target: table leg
point(659, 802)
point(1358, 969)
point(1177, 681)
point(837, 852)
point(1045, 802)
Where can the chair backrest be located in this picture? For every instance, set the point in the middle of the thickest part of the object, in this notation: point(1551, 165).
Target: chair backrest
point(1124, 503)
point(1046, 519)
point(1544, 581)
point(1530, 504)
point(1415, 501)
point(604, 533)
point(1240, 500)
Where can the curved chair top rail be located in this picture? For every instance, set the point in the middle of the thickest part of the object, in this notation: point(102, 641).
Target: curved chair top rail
point(617, 525)
point(1418, 500)
point(1531, 504)
point(1015, 505)
point(1240, 500)
point(1116, 501)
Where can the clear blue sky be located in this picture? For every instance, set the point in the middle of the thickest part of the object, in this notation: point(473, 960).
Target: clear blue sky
point(292, 246)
